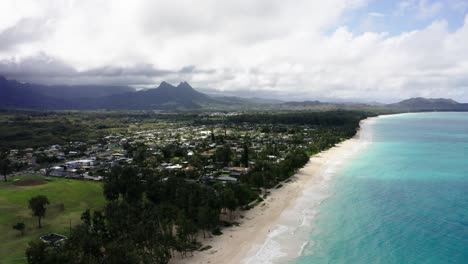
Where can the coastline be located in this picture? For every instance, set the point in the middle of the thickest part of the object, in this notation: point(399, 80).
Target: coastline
point(253, 241)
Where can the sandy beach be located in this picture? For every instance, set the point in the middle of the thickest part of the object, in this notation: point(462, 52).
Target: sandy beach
point(241, 244)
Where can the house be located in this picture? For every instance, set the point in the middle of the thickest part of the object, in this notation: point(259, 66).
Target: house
point(72, 153)
point(81, 163)
point(226, 179)
point(52, 238)
point(174, 167)
point(58, 171)
point(92, 178)
point(237, 171)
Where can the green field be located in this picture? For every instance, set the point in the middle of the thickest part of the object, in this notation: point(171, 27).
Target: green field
point(76, 196)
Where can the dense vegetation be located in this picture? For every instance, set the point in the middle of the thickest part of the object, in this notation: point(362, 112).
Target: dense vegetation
point(22, 129)
point(332, 118)
point(151, 215)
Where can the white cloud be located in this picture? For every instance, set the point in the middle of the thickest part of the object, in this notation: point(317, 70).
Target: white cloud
point(293, 49)
point(423, 9)
point(376, 14)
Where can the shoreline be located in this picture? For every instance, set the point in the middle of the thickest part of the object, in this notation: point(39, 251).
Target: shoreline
point(253, 240)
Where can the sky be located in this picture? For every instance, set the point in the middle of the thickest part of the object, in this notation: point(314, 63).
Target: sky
point(334, 50)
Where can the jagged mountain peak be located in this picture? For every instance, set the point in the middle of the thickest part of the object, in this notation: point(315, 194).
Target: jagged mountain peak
point(185, 85)
point(165, 85)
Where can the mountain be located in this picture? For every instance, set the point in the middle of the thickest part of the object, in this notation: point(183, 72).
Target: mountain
point(73, 92)
point(14, 94)
point(166, 96)
point(428, 104)
point(69, 92)
point(17, 95)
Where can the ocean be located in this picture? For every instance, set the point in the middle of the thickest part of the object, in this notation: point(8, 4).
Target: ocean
point(401, 197)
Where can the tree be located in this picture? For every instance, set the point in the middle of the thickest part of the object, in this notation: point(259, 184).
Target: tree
point(5, 165)
point(245, 156)
point(38, 206)
point(186, 231)
point(213, 138)
point(123, 182)
point(223, 154)
point(229, 200)
point(204, 220)
point(139, 155)
point(20, 227)
point(36, 253)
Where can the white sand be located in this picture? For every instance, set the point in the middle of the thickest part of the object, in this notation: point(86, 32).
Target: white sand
point(251, 241)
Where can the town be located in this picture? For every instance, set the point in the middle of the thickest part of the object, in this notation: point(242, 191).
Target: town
point(192, 175)
point(204, 153)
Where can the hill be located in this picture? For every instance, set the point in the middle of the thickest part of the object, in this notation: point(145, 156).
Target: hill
point(236, 100)
point(410, 105)
point(428, 104)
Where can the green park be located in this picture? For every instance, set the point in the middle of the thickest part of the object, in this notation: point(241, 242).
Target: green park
point(68, 199)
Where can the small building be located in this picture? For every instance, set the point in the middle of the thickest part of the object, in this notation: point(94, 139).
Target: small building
point(174, 167)
point(226, 179)
point(81, 163)
point(58, 171)
point(237, 171)
point(52, 238)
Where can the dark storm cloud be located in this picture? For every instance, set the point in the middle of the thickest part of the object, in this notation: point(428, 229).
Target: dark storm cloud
point(36, 66)
point(47, 70)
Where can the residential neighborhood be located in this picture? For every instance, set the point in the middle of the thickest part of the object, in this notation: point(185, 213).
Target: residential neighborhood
point(215, 153)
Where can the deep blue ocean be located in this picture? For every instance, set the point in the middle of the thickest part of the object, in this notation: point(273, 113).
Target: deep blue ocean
point(402, 199)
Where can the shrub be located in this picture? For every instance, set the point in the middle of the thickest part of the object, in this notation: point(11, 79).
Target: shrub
point(217, 231)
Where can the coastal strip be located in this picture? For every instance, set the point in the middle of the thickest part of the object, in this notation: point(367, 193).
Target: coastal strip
point(253, 241)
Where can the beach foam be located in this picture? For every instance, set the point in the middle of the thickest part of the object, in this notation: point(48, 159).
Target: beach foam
point(277, 230)
point(402, 200)
point(295, 223)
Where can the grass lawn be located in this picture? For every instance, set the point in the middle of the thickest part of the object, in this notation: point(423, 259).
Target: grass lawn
point(75, 195)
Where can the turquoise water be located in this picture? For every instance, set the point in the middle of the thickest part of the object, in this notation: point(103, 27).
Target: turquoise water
point(403, 199)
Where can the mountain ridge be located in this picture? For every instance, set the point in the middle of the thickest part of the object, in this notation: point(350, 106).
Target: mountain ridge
point(17, 95)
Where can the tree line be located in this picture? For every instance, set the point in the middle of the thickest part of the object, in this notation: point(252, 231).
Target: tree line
point(153, 215)
point(147, 219)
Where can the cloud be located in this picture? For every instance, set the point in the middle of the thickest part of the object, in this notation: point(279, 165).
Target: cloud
point(146, 70)
point(458, 5)
point(35, 66)
point(423, 9)
point(26, 30)
point(286, 49)
point(48, 70)
point(376, 14)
